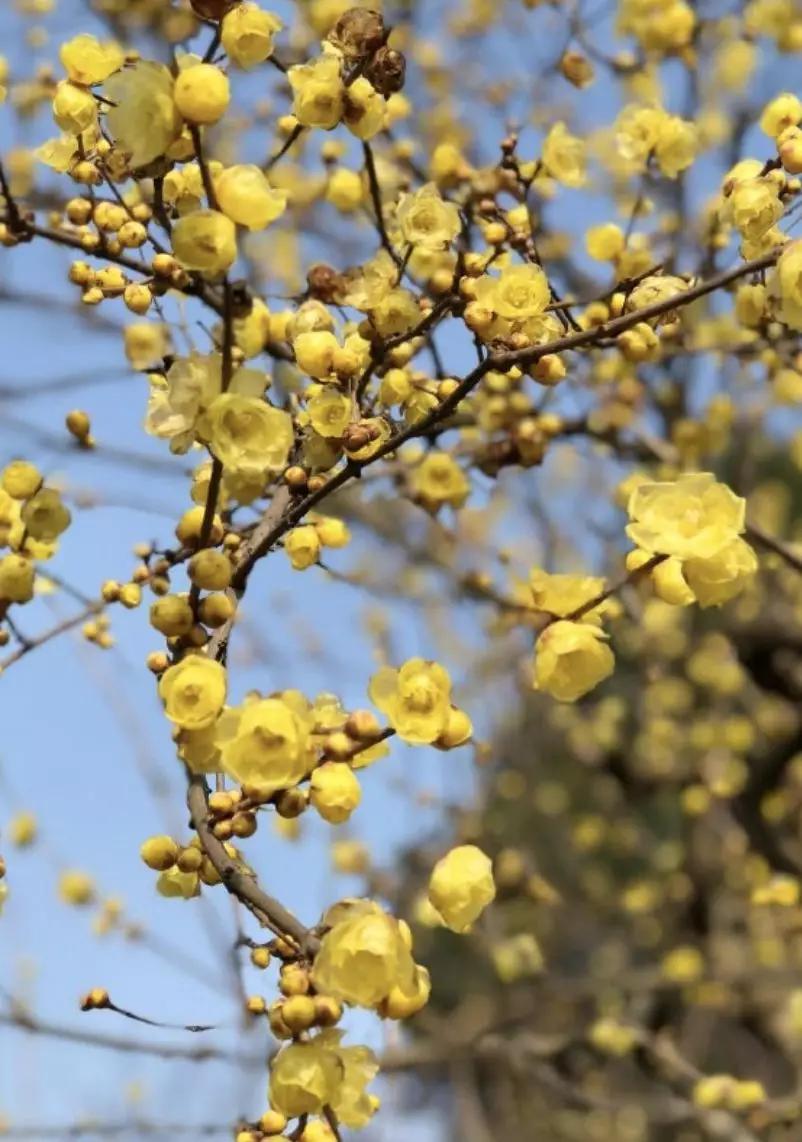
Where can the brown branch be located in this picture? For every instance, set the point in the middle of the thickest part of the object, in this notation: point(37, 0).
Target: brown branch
point(15, 221)
point(378, 210)
point(269, 911)
point(196, 287)
point(21, 1020)
point(775, 545)
point(206, 176)
point(109, 1005)
point(62, 627)
point(603, 596)
point(296, 133)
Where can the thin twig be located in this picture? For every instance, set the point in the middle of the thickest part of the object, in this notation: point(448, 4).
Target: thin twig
point(378, 210)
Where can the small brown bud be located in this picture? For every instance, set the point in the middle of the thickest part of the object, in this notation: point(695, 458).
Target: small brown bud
point(324, 282)
point(243, 824)
point(577, 69)
point(363, 725)
point(255, 1005)
point(328, 1010)
point(95, 999)
point(357, 436)
point(78, 424)
point(221, 803)
point(290, 803)
point(387, 70)
point(359, 32)
point(296, 478)
point(211, 9)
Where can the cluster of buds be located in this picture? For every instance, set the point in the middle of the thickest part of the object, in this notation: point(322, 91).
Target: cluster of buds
point(361, 35)
point(231, 814)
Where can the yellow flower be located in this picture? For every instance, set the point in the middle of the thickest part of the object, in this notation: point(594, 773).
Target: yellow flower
point(439, 480)
point(302, 545)
point(159, 853)
point(561, 595)
point(205, 240)
point(345, 190)
point(191, 384)
point(416, 699)
point(643, 132)
point(677, 144)
point(88, 61)
point(787, 285)
point(175, 884)
point(722, 576)
point(202, 93)
point(403, 1003)
point(604, 243)
point(74, 108)
point(517, 957)
point(670, 583)
point(247, 434)
point(365, 109)
point(193, 691)
point(782, 890)
point(397, 312)
point(461, 886)
point(330, 412)
point(750, 304)
point(684, 964)
point(753, 207)
point(363, 956)
point(331, 531)
point(17, 576)
point(571, 659)
point(21, 480)
point(22, 829)
point(612, 1037)
point(425, 219)
point(318, 91)
point(172, 615)
point(145, 344)
point(659, 25)
point(304, 1078)
point(350, 857)
point(314, 351)
point(564, 156)
point(692, 517)
point(268, 747)
point(245, 195)
point(246, 34)
point(76, 887)
point(352, 1105)
point(142, 116)
point(636, 133)
point(44, 515)
point(519, 293)
point(370, 283)
point(335, 792)
point(782, 112)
